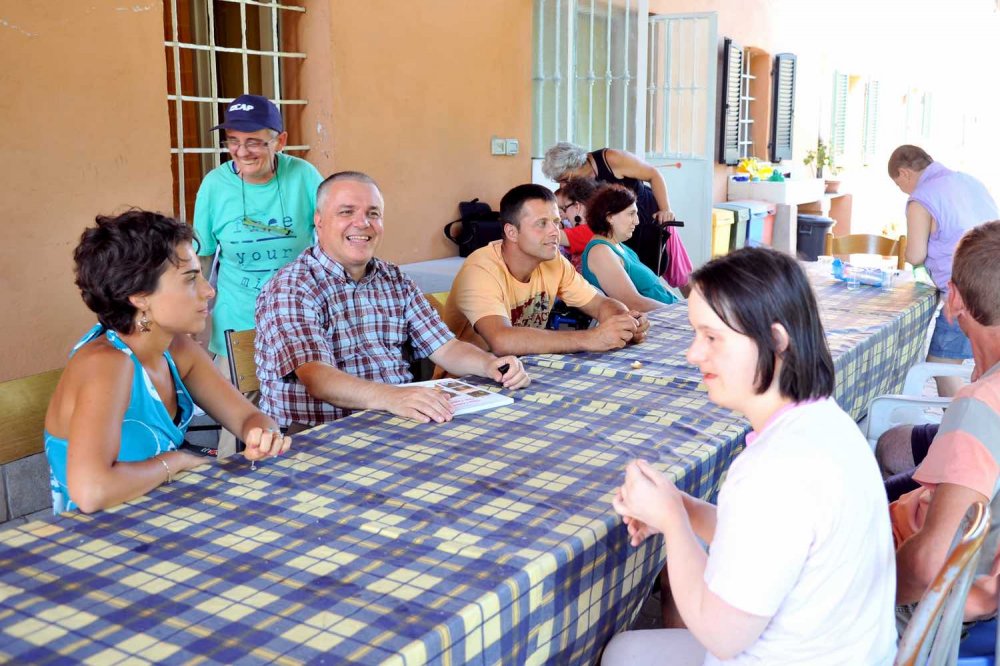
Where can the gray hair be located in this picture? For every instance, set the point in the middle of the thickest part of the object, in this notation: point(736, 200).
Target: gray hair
point(563, 157)
point(356, 176)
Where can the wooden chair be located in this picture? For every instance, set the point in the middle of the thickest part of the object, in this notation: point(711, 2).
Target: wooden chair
point(868, 244)
point(23, 403)
point(242, 366)
point(934, 630)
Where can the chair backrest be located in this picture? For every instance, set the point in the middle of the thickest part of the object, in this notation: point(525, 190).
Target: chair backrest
point(934, 630)
point(868, 244)
point(242, 367)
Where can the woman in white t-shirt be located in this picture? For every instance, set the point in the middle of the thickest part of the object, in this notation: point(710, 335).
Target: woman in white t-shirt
point(800, 566)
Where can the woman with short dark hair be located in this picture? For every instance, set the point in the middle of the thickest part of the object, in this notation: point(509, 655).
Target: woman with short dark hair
point(800, 566)
point(609, 264)
point(126, 397)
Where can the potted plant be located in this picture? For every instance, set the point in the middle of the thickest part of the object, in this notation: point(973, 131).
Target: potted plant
point(822, 157)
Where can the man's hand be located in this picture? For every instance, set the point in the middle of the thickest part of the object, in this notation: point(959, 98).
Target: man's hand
point(262, 443)
point(614, 332)
point(662, 216)
point(642, 326)
point(649, 498)
point(418, 403)
point(515, 376)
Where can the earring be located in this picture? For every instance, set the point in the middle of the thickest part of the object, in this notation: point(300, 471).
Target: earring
point(145, 326)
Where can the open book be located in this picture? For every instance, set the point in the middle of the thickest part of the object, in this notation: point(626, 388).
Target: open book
point(466, 398)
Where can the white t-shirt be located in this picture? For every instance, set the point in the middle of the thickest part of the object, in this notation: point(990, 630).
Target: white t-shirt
point(803, 537)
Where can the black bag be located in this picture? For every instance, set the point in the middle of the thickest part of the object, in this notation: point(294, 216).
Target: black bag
point(478, 225)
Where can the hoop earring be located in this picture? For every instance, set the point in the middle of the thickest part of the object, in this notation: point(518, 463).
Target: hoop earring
point(145, 326)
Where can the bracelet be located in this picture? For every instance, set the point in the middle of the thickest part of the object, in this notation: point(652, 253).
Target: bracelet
point(166, 467)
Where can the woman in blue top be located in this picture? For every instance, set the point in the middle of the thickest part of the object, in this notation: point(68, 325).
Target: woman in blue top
point(123, 404)
point(611, 266)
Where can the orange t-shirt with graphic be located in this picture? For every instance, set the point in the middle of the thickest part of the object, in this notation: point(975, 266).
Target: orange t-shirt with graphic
point(484, 287)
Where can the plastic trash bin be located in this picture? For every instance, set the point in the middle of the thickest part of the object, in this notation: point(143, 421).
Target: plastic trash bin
point(738, 234)
point(812, 235)
point(722, 227)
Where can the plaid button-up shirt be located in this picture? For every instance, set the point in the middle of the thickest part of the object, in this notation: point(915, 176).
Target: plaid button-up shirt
point(311, 310)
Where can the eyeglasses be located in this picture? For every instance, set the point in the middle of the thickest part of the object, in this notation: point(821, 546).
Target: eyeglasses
point(563, 209)
point(253, 145)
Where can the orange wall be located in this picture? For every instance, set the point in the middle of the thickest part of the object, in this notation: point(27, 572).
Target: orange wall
point(416, 96)
point(82, 97)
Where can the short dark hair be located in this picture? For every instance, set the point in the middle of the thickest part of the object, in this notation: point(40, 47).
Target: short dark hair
point(512, 202)
point(607, 200)
point(910, 157)
point(753, 288)
point(975, 272)
point(357, 176)
point(123, 256)
point(578, 190)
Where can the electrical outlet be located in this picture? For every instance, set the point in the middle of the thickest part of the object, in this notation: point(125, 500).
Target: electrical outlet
point(498, 146)
point(512, 146)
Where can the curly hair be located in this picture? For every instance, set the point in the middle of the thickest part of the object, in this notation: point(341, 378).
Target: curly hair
point(607, 200)
point(578, 190)
point(123, 256)
point(563, 157)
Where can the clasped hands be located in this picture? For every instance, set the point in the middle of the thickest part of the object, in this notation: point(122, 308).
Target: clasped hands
point(622, 329)
point(647, 501)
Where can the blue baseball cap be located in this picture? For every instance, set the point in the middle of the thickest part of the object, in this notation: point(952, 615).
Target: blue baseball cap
point(249, 113)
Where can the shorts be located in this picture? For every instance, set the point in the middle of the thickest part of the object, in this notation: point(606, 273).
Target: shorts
point(948, 340)
point(920, 440)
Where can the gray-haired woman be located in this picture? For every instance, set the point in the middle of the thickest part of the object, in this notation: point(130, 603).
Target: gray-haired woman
point(567, 160)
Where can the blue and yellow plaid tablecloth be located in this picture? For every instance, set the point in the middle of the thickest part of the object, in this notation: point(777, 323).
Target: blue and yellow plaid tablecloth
point(489, 539)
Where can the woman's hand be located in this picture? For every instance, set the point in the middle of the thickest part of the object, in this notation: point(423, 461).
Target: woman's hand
point(261, 443)
point(647, 499)
point(662, 216)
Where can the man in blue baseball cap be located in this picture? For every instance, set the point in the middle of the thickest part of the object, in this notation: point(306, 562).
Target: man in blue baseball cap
point(255, 212)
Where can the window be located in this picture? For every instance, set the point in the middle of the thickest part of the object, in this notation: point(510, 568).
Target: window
point(586, 66)
point(869, 140)
point(731, 128)
point(783, 107)
point(217, 50)
point(838, 123)
point(678, 97)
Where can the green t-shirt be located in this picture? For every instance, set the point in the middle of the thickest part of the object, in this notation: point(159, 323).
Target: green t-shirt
point(256, 238)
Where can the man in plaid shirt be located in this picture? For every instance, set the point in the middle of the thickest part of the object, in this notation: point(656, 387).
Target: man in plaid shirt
point(333, 326)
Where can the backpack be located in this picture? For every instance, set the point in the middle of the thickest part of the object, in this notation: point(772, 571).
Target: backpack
point(478, 225)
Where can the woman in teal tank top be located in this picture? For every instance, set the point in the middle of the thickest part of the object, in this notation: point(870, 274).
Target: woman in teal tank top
point(610, 265)
point(122, 405)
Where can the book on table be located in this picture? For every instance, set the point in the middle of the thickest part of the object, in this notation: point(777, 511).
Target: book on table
point(465, 397)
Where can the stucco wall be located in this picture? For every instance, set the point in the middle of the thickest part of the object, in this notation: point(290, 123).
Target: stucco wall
point(82, 97)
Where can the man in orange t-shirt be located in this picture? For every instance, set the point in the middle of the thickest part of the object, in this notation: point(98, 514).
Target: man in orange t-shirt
point(963, 463)
point(504, 292)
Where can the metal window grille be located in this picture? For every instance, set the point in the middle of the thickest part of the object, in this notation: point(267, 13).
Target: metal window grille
point(587, 71)
point(677, 96)
point(746, 120)
point(217, 50)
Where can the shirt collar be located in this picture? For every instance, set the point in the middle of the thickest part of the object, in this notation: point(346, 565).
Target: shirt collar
point(754, 434)
point(337, 272)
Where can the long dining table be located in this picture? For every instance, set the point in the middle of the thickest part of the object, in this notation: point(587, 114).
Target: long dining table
point(489, 539)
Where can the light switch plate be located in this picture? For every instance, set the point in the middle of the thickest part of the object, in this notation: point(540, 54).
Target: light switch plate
point(512, 146)
point(498, 146)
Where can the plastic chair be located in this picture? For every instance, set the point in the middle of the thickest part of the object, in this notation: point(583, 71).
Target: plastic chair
point(933, 633)
point(868, 244)
point(910, 407)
